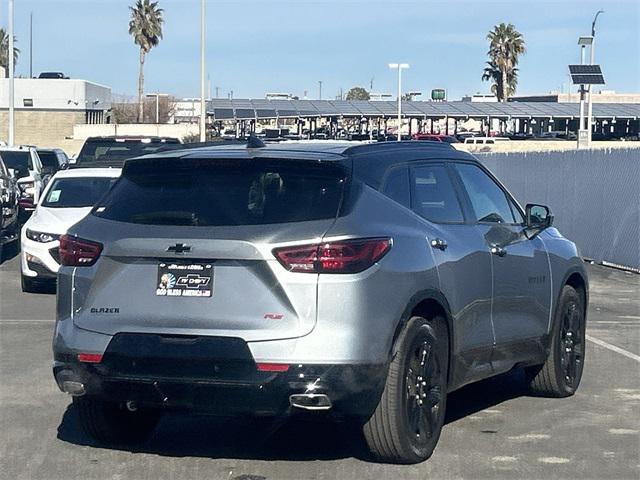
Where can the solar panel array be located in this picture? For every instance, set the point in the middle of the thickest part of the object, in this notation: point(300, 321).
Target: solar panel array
point(246, 109)
point(586, 74)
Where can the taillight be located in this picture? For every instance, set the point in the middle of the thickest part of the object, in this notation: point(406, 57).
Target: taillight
point(347, 256)
point(90, 357)
point(272, 367)
point(77, 252)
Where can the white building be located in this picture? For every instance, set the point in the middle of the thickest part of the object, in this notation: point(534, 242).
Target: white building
point(47, 109)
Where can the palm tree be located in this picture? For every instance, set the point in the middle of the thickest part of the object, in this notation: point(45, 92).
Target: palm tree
point(493, 73)
point(4, 51)
point(145, 27)
point(505, 47)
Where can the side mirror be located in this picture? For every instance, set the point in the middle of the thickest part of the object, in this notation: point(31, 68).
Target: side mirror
point(539, 217)
point(12, 172)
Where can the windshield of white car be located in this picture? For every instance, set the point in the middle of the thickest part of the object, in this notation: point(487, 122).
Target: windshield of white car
point(77, 192)
point(17, 160)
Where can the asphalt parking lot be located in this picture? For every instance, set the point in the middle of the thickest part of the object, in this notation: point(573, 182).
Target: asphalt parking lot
point(494, 430)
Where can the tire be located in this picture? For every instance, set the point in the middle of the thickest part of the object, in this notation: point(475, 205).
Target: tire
point(113, 423)
point(29, 286)
point(406, 424)
point(560, 375)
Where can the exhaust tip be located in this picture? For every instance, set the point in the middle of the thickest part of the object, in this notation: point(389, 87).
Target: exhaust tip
point(310, 401)
point(75, 389)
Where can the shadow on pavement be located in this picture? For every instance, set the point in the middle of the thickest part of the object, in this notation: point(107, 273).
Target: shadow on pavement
point(297, 439)
point(9, 250)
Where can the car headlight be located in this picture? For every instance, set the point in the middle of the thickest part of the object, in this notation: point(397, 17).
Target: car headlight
point(41, 237)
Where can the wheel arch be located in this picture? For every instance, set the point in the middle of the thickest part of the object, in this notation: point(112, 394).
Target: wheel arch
point(428, 304)
point(576, 280)
point(575, 277)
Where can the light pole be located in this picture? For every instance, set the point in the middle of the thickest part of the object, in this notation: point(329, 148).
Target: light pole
point(584, 135)
point(11, 75)
point(320, 89)
point(592, 61)
point(203, 103)
point(399, 67)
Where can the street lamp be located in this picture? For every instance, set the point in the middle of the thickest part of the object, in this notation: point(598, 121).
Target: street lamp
point(592, 61)
point(11, 77)
point(203, 106)
point(583, 42)
point(399, 67)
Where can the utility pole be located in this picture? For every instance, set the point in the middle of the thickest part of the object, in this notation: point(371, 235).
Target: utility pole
point(11, 77)
point(320, 89)
point(203, 103)
point(31, 45)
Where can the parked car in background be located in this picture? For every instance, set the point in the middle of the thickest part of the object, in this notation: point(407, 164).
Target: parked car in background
point(53, 76)
point(484, 140)
point(461, 136)
point(27, 168)
point(113, 151)
point(555, 135)
point(365, 280)
point(435, 137)
point(52, 159)
point(8, 206)
point(67, 198)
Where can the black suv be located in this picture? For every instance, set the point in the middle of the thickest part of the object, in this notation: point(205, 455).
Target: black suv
point(52, 159)
point(113, 151)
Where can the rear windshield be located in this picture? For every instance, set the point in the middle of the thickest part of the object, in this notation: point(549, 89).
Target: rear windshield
point(49, 160)
point(116, 150)
point(77, 192)
point(225, 194)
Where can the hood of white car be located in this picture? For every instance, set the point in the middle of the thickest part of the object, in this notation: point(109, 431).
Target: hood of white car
point(55, 220)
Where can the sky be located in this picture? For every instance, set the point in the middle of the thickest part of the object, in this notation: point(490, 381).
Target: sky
point(260, 46)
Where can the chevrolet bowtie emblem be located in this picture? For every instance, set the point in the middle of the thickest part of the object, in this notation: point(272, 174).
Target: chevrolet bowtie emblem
point(179, 248)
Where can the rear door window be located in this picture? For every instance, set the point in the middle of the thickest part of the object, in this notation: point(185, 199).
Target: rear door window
point(434, 196)
point(221, 193)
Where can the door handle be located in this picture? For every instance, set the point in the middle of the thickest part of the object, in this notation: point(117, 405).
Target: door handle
point(439, 244)
point(499, 251)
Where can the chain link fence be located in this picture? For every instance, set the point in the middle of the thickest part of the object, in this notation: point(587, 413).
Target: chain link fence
point(594, 195)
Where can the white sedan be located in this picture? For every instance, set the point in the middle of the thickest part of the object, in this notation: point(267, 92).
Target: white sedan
point(67, 198)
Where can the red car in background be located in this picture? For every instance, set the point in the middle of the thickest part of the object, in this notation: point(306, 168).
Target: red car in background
point(435, 137)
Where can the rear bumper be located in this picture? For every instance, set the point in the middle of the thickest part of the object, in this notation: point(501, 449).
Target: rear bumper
point(214, 375)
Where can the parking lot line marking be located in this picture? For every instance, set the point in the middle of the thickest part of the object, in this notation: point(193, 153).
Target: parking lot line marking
point(11, 322)
point(616, 322)
point(613, 348)
point(633, 317)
